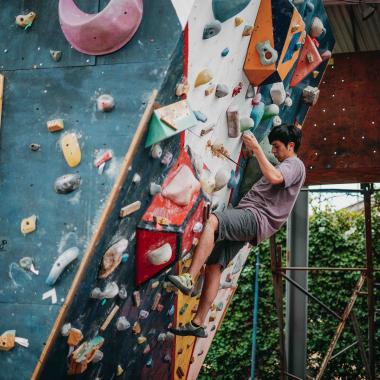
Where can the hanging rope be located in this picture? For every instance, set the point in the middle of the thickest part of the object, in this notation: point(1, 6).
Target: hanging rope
point(255, 314)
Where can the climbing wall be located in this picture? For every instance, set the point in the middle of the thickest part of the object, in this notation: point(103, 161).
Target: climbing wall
point(149, 173)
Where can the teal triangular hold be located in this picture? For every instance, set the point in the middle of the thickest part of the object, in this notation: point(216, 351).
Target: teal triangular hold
point(225, 9)
point(159, 130)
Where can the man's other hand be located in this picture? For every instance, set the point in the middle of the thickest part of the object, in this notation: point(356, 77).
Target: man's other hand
point(250, 142)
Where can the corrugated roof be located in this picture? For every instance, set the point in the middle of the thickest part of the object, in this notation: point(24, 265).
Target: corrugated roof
point(367, 31)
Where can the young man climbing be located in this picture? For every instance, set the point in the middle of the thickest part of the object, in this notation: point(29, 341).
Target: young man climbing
point(259, 214)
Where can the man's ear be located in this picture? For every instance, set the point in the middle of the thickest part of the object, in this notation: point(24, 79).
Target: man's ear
point(291, 145)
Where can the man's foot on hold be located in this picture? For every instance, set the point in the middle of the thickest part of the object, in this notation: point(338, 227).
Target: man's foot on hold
point(183, 282)
point(189, 329)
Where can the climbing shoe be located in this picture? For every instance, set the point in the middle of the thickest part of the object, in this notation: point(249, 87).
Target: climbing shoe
point(189, 329)
point(183, 282)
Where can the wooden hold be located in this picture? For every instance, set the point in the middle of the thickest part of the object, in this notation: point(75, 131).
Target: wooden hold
point(207, 130)
point(157, 299)
point(136, 329)
point(75, 336)
point(7, 340)
point(247, 31)
point(55, 125)
point(136, 298)
point(28, 225)
point(162, 221)
point(130, 209)
point(210, 90)
point(108, 320)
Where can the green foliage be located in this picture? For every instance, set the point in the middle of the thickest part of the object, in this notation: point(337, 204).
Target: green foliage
point(336, 240)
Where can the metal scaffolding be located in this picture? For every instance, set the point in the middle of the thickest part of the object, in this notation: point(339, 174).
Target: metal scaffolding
point(366, 275)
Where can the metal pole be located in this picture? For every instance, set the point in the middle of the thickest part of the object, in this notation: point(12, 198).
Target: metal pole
point(328, 269)
point(368, 190)
point(296, 301)
point(304, 291)
point(255, 314)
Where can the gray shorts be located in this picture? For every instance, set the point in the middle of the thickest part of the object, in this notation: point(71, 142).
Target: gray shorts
point(236, 228)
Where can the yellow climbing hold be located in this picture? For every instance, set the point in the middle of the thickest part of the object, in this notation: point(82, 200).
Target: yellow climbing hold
point(238, 21)
point(28, 225)
point(119, 370)
point(203, 77)
point(141, 339)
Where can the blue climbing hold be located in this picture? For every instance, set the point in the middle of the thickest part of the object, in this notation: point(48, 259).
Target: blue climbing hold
point(234, 180)
point(171, 310)
point(225, 52)
point(124, 258)
point(200, 116)
point(225, 9)
point(257, 114)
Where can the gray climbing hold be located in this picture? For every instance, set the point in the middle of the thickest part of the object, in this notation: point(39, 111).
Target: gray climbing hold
point(65, 330)
point(154, 188)
point(34, 147)
point(212, 29)
point(98, 356)
point(250, 92)
point(122, 324)
point(56, 55)
point(27, 264)
point(225, 52)
point(143, 314)
point(221, 90)
point(123, 294)
point(200, 116)
point(105, 103)
point(67, 183)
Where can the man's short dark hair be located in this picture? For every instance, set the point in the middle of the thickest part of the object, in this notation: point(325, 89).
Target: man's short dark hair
point(286, 134)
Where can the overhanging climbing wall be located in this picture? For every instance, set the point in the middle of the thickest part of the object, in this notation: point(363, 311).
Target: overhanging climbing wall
point(111, 314)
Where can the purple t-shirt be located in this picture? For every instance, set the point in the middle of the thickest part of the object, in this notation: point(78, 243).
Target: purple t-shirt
point(272, 204)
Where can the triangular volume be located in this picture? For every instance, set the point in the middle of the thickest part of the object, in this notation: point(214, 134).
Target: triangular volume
point(169, 121)
point(254, 69)
point(309, 60)
point(292, 45)
point(282, 11)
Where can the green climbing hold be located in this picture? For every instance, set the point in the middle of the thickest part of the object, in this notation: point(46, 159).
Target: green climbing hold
point(225, 9)
point(225, 52)
point(169, 121)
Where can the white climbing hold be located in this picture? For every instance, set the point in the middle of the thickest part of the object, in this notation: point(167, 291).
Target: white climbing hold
point(277, 93)
point(182, 187)
point(276, 121)
point(136, 178)
point(61, 263)
point(222, 177)
point(154, 188)
point(317, 27)
point(156, 151)
point(122, 324)
point(65, 330)
point(288, 101)
point(105, 103)
point(198, 227)
point(160, 255)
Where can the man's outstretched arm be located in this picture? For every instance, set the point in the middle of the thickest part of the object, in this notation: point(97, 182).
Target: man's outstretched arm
point(272, 174)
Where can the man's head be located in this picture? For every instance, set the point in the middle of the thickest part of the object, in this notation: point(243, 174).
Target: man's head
point(285, 140)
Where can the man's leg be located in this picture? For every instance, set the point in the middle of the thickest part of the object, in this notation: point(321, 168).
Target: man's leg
point(205, 246)
point(209, 292)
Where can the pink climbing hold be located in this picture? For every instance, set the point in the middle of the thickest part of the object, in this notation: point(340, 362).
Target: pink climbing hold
point(103, 32)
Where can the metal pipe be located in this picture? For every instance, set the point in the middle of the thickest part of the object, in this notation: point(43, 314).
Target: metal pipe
point(299, 287)
point(328, 269)
point(368, 190)
point(344, 350)
point(291, 376)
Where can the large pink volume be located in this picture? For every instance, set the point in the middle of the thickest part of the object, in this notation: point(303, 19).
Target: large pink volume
point(103, 32)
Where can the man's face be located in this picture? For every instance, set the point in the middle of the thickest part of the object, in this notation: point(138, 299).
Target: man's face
point(281, 151)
